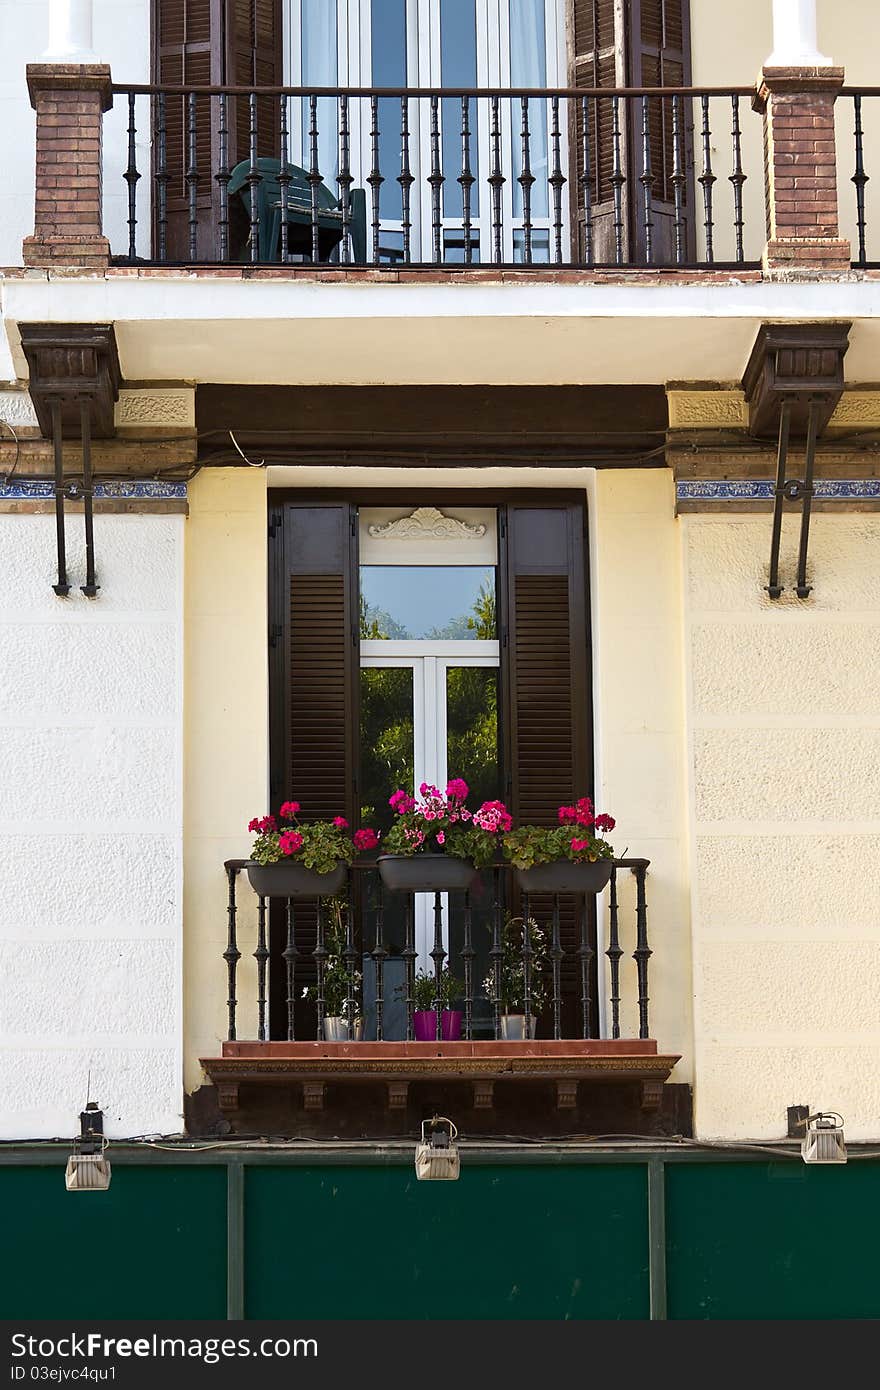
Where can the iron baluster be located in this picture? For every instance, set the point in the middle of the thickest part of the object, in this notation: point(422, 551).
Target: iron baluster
point(614, 953)
point(496, 952)
point(679, 178)
point(802, 588)
point(586, 184)
point(90, 588)
point(380, 955)
point(320, 955)
point(290, 954)
point(345, 180)
point(737, 178)
point(314, 176)
point(162, 177)
point(556, 968)
point(438, 956)
point(409, 962)
point(192, 176)
point(467, 955)
point(707, 179)
point(405, 179)
point(525, 181)
point(617, 180)
point(284, 178)
point(254, 179)
point(773, 586)
point(436, 180)
point(232, 955)
point(375, 179)
point(62, 588)
point(646, 179)
point(585, 956)
point(527, 966)
point(466, 178)
point(223, 175)
point(496, 182)
point(131, 177)
point(557, 180)
point(642, 953)
point(350, 956)
point(860, 178)
point(261, 956)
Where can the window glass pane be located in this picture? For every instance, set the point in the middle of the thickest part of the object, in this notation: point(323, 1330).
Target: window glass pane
point(443, 602)
point(528, 68)
point(458, 68)
point(386, 739)
point(540, 246)
point(388, 68)
point(472, 730)
point(319, 69)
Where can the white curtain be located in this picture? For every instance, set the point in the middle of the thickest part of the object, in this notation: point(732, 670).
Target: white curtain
point(528, 68)
point(320, 69)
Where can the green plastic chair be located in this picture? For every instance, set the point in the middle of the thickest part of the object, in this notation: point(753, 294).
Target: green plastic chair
point(299, 212)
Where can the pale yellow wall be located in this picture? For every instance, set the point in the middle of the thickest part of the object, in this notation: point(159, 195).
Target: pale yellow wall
point(226, 743)
point(729, 44)
point(784, 730)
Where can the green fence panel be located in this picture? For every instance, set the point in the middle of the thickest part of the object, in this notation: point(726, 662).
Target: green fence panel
point(775, 1240)
point(152, 1246)
point(501, 1242)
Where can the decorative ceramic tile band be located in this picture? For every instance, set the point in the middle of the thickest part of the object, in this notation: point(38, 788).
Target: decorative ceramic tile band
point(28, 490)
point(756, 490)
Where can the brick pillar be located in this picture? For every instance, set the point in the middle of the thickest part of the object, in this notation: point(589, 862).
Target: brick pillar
point(800, 169)
point(69, 99)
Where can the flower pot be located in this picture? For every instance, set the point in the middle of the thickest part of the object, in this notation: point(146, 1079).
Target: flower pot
point(513, 1027)
point(337, 1030)
point(425, 873)
point(425, 1025)
point(562, 876)
point(288, 879)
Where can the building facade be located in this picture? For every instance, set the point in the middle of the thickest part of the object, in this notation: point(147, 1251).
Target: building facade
point(403, 389)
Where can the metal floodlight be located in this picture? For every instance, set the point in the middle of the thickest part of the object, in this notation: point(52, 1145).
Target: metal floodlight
point(437, 1156)
point(87, 1169)
point(823, 1141)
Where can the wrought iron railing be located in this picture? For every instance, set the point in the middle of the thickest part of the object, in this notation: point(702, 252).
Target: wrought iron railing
point(572, 983)
point(431, 176)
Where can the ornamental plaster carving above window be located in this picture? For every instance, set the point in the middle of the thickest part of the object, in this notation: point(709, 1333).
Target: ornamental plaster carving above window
point(426, 522)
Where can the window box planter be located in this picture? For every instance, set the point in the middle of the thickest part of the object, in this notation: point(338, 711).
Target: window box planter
point(564, 876)
point(425, 873)
point(292, 880)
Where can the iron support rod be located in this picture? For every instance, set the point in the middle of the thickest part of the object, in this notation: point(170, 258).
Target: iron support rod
point(773, 587)
point(803, 588)
point(232, 955)
point(62, 588)
point(261, 956)
point(90, 588)
point(642, 953)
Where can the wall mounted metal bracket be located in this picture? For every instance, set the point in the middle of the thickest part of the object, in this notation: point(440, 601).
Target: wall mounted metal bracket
point(793, 490)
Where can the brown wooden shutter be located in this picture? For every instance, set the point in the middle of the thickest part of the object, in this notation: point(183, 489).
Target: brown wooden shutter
point(659, 56)
point(547, 713)
point(644, 43)
point(315, 725)
point(254, 53)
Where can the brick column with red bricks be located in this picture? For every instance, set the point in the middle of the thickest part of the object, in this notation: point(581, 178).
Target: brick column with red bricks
point(800, 170)
point(69, 99)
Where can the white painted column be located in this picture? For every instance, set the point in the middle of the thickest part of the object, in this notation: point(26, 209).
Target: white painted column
point(70, 32)
point(794, 36)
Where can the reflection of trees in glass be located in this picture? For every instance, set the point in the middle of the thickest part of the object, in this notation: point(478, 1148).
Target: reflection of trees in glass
point(472, 729)
point(386, 739)
point(376, 624)
point(477, 625)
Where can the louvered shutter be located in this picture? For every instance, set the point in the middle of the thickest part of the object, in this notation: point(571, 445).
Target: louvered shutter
point(187, 51)
point(254, 59)
point(547, 707)
point(659, 56)
point(597, 60)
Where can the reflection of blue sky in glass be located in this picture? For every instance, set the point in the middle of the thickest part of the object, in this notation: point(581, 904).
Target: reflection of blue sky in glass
point(388, 60)
point(424, 600)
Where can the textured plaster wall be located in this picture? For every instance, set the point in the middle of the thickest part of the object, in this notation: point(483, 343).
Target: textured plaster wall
point(90, 828)
point(226, 720)
point(784, 723)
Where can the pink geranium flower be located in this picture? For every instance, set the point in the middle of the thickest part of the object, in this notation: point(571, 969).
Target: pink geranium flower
point(604, 822)
point(457, 789)
point(365, 839)
point(580, 845)
point(290, 841)
point(340, 822)
point(288, 810)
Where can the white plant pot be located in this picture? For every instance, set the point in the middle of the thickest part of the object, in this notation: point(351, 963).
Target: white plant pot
point(513, 1027)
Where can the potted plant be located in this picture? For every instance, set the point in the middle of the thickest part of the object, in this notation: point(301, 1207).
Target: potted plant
point(425, 999)
point(340, 993)
point(509, 990)
point(570, 857)
point(290, 859)
point(437, 844)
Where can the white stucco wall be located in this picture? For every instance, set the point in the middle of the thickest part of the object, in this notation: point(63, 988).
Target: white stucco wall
point(784, 729)
point(91, 828)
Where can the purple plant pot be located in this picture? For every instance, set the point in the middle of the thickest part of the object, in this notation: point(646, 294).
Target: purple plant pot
point(425, 1025)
